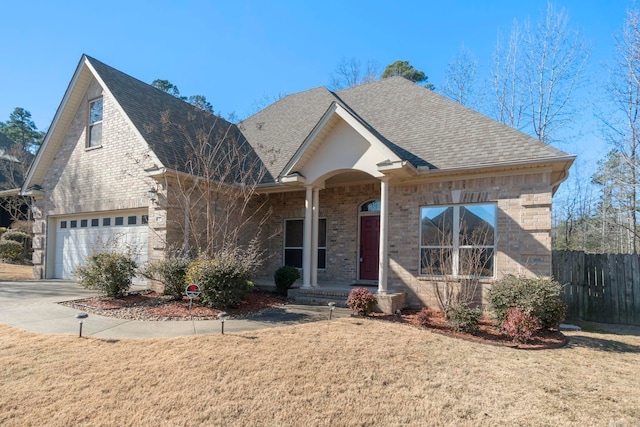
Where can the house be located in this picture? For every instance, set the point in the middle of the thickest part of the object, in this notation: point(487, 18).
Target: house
point(358, 183)
point(14, 161)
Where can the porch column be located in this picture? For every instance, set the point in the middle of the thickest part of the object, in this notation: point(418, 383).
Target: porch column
point(306, 243)
point(383, 262)
point(314, 237)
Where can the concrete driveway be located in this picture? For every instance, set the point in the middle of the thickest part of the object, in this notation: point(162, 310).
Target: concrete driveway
point(33, 306)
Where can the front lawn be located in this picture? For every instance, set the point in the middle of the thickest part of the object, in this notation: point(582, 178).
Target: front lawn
point(345, 372)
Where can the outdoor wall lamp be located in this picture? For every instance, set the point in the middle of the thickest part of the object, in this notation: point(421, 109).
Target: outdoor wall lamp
point(153, 194)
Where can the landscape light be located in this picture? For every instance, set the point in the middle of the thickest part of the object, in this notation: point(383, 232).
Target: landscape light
point(332, 305)
point(222, 315)
point(81, 316)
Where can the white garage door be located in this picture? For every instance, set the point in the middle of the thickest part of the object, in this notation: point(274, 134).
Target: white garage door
point(79, 236)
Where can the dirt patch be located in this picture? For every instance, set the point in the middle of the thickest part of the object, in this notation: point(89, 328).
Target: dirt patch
point(15, 271)
point(487, 332)
point(153, 306)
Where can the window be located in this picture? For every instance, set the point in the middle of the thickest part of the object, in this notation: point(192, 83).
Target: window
point(95, 222)
point(144, 219)
point(83, 223)
point(106, 222)
point(63, 224)
point(458, 240)
point(74, 223)
point(131, 220)
point(119, 220)
point(293, 242)
point(94, 132)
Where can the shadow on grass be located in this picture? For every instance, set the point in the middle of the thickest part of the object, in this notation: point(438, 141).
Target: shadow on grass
point(280, 315)
point(602, 344)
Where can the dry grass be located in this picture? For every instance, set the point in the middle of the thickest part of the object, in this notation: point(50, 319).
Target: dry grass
point(325, 373)
point(15, 272)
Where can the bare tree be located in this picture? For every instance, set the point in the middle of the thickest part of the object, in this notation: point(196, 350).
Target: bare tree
point(510, 100)
point(536, 77)
point(349, 72)
point(211, 191)
point(456, 274)
point(622, 131)
point(460, 77)
point(14, 165)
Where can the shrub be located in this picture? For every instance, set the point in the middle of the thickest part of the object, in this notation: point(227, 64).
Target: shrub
point(108, 271)
point(172, 273)
point(23, 238)
point(520, 325)
point(10, 250)
point(538, 296)
point(361, 301)
point(284, 277)
point(424, 316)
point(3, 230)
point(463, 318)
point(224, 281)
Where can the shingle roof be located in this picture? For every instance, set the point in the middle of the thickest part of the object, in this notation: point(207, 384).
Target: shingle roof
point(438, 132)
point(165, 122)
point(419, 125)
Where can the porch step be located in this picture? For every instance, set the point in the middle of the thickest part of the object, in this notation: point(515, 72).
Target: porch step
point(319, 296)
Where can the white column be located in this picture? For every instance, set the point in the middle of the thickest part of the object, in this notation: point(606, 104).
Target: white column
point(314, 237)
point(306, 250)
point(383, 261)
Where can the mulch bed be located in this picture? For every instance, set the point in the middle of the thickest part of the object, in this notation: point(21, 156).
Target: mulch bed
point(154, 307)
point(487, 332)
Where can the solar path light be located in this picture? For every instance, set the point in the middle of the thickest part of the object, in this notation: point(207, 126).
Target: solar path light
point(222, 316)
point(81, 316)
point(332, 305)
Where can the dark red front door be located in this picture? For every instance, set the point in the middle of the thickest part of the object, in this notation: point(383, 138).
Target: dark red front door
point(369, 247)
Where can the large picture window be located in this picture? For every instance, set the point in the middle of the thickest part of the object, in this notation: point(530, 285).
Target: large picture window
point(293, 242)
point(94, 132)
point(458, 240)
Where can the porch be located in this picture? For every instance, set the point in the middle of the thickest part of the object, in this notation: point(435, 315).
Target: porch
point(338, 293)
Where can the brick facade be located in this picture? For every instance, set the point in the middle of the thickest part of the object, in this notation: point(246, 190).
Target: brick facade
point(523, 226)
point(102, 179)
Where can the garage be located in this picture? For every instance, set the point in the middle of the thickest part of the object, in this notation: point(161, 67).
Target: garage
point(78, 236)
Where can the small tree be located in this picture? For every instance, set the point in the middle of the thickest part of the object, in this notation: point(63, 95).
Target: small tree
point(455, 276)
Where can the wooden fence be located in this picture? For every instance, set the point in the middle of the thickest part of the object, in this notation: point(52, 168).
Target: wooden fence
point(599, 287)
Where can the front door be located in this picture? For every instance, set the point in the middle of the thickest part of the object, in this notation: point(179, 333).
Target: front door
point(369, 246)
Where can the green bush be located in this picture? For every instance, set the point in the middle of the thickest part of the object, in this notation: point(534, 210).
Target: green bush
point(224, 281)
point(3, 230)
point(172, 273)
point(10, 250)
point(463, 318)
point(361, 301)
point(284, 277)
point(109, 271)
point(538, 296)
point(23, 238)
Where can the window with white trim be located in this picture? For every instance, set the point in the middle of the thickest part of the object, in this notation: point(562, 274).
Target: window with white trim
point(293, 242)
point(458, 240)
point(94, 131)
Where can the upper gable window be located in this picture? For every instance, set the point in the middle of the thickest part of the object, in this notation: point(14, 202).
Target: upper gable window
point(94, 138)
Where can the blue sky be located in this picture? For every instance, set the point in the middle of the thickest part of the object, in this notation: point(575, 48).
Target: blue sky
point(236, 53)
